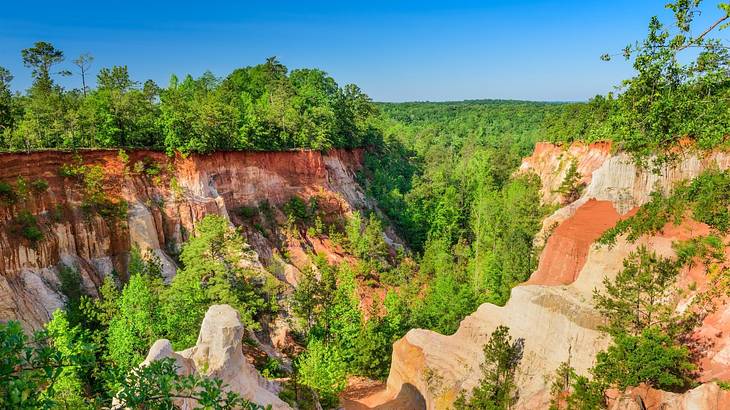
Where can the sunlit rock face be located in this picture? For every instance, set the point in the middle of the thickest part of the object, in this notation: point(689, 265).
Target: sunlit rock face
point(708, 396)
point(163, 208)
point(553, 310)
point(218, 354)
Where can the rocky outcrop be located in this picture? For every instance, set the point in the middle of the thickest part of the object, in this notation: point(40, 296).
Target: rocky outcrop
point(708, 396)
point(166, 196)
point(218, 354)
point(553, 311)
point(551, 163)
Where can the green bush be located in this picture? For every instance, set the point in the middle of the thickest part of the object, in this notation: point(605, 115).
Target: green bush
point(27, 226)
point(651, 357)
point(39, 185)
point(323, 369)
point(245, 212)
point(298, 210)
point(7, 194)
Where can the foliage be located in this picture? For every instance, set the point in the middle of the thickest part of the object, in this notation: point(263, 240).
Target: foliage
point(136, 325)
point(263, 107)
point(647, 333)
point(314, 296)
point(158, 386)
point(497, 388)
point(7, 194)
point(214, 272)
point(91, 179)
point(708, 249)
point(706, 196)
point(29, 369)
point(651, 357)
point(71, 288)
point(444, 177)
point(39, 185)
point(322, 368)
point(680, 90)
point(71, 342)
point(571, 187)
point(571, 391)
point(301, 213)
point(636, 298)
point(26, 226)
point(374, 344)
point(365, 239)
point(50, 373)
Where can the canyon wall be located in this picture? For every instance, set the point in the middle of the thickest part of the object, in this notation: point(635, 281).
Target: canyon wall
point(554, 311)
point(165, 197)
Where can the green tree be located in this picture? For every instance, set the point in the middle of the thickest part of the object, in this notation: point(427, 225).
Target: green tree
point(120, 114)
point(71, 288)
point(6, 101)
point(315, 296)
point(651, 357)
point(571, 187)
point(137, 324)
point(71, 342)
point(679, 91)
point(637, 298)
point(497, 388)
point(41, 58)
point(215, 271)
point(29, 371)
point(323, 369)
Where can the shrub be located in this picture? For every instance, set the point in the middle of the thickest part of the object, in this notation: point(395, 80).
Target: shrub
point(651, 357)
point(708, 196)
point(27, 226)
point(21, 188)
point(272, 368)
point(297, 210)
point(123, 156)
point(245, 212)
point(71, 170)
point(39, 185)
point(571, 187)
point(323, 369)
point(7, 194)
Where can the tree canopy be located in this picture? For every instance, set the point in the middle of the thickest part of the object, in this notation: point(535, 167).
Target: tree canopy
point(262, 107)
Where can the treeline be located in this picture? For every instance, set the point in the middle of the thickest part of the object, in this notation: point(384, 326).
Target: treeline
point(680, 92)
point(262, 107)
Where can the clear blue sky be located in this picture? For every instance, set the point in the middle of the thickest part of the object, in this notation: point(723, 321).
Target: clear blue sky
point(395, 50)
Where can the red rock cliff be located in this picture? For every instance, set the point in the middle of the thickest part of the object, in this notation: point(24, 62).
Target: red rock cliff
point(164, 204)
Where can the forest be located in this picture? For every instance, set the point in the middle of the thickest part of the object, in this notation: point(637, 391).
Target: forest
point(443, 175)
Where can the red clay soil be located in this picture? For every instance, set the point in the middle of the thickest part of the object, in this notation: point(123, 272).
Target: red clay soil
point(567, 248)
point(363, 394)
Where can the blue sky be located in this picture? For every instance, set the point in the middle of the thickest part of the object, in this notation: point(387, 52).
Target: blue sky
point(394, 50)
